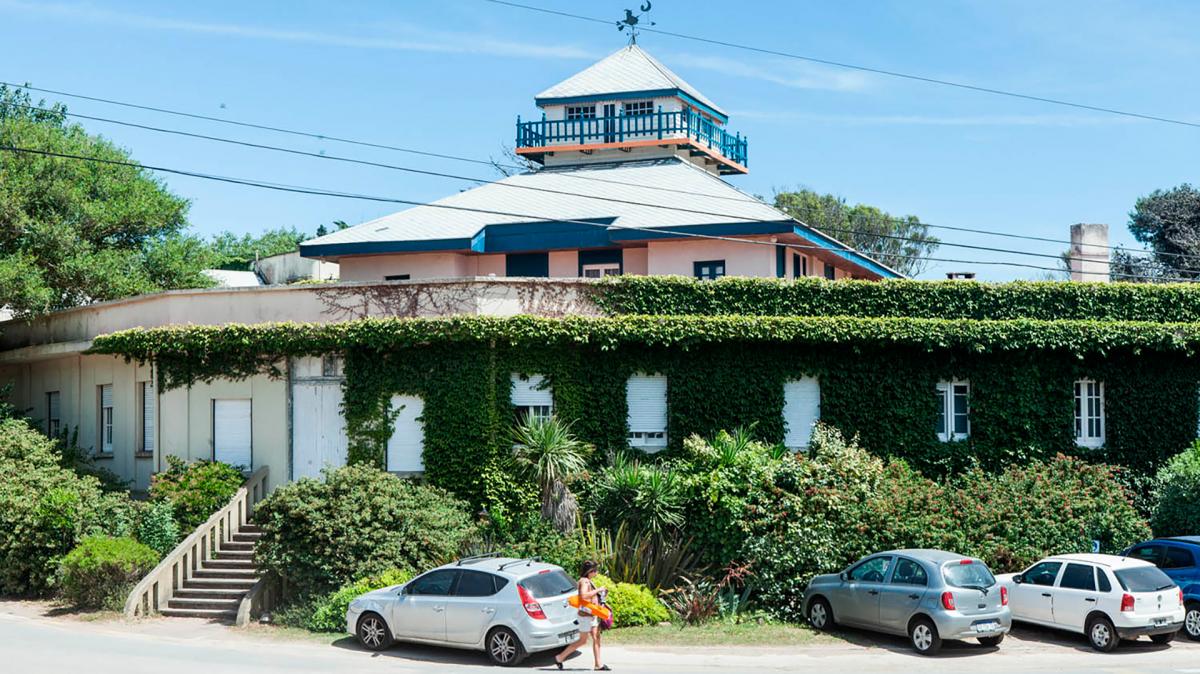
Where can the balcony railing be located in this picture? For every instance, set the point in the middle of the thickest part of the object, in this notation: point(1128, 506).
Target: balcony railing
point(660, 125)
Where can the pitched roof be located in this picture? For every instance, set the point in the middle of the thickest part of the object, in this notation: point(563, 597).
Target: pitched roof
point(665, 193)
point(629, 69)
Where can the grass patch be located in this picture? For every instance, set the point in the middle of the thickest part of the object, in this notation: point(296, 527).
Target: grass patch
point(717, 634)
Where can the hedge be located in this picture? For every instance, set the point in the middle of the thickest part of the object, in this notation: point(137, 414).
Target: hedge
point(101, 572)
point(1043, 300)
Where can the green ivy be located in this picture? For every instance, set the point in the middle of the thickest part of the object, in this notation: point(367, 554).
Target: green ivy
point(1044, 300)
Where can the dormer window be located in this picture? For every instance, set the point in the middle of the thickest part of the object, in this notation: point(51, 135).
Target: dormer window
point(575, 112)
point(639, 108)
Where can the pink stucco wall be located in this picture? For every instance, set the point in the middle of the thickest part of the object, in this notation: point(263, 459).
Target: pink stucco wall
point(741, 259)
point(417, 266)
point(634, 261)
point(564, 264)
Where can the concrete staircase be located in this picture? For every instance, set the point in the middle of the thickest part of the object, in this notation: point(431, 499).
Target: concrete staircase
point(215, 589)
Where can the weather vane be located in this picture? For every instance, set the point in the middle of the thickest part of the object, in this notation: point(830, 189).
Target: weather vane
point(632, 20)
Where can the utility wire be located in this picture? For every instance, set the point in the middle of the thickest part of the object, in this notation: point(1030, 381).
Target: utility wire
point(526, 216)
point(860, 68)
point(452, 176)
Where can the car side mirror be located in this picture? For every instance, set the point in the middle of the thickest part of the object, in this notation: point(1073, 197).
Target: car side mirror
point(1018, 579)
point(844, 576)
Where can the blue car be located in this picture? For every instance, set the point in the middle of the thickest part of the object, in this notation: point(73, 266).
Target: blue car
point(1179, 558)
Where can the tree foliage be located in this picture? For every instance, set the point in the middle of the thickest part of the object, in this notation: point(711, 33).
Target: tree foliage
point(74, 232)
point(901, 243)
point(231, 251)
point(1169, 222)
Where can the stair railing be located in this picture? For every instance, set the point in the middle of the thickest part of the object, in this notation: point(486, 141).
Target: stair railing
point(153, 592)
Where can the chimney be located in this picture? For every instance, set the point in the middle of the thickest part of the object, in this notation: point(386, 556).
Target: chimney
point(1089, 252)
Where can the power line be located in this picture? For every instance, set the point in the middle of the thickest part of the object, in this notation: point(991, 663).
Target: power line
point(349, 195)
point(440, 174)
point(860, 68)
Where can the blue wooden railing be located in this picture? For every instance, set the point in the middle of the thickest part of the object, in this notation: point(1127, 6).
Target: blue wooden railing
point(621, 128)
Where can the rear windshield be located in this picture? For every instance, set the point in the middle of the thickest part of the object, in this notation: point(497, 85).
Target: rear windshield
point(1143, 579)
point(972, 576)
point(548, 584)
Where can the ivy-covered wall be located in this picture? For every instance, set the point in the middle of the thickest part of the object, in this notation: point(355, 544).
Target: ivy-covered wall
point(877, 379)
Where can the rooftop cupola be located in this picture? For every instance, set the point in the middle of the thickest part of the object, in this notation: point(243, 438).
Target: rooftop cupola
point(629, 105)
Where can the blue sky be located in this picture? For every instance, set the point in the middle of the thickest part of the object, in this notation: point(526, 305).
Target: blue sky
point(451, 76)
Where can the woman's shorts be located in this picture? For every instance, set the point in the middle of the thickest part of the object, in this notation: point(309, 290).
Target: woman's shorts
point(586, 623)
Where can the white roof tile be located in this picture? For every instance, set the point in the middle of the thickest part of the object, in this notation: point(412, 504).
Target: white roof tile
point(626, 70)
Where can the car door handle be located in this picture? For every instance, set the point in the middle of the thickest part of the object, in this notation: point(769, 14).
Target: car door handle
point(1047, 594)
point(872, 591)
point(1092, 599)
point(439, 609)
point(914, 596)
point(488, 610)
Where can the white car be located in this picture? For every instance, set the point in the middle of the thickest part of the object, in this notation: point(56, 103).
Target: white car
point(1104, 597)
point(505, 607)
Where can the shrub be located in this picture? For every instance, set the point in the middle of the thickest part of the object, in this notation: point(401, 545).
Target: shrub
point(46, 510)
point(632, 605)
point(102, 570)
point(1177, 502)
point(329, 612)
point(640, 558)
point(532, 536)
point(644, 497)
point(195, 490)
point(357, 521)
point(156, 526)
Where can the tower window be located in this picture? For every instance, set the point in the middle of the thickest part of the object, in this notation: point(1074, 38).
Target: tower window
point(581, 112)
point(639, 108)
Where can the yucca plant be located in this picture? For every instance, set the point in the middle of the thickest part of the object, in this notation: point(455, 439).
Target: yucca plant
point(630, 556)
point(549, 454)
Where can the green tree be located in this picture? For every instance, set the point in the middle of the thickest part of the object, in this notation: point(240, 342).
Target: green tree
point(1169, 223)
point(231, 251)
point(901, 243)
point(550, 455)
point(74, 232)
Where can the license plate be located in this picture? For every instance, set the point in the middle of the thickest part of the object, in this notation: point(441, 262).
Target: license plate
point(569, 636)
point(986, 627)
point(1159, 622)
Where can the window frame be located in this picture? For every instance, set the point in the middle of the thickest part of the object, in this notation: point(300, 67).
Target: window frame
point(408, 589)
point(947, 392)
point(575, 113)
point(1091, 574)
point(714, 275)
point(1084, 437)
point(1049, 562)
point(888, 569)
point(145, 393)
point(605, 269)
point(522, 412)
point(648, 439)
point(53, 421)
point(1179, 549)
point(920, 567)
point(830, 272)
point(645, 107)
point(105, 421)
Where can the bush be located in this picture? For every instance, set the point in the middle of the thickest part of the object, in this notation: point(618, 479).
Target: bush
point(632, 605)
point(646, 498)
point(46, 510)
point(819, 513)
point(329, 612)
point(195, 490)
point(358, 521)
point(1177, 502)
point(156, 526)
point(530, 535)
point(101, 572)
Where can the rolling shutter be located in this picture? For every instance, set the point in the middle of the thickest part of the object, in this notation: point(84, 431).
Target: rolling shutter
point(528, 392)
point(106, 419)
point(318, 428)
point(232, 432)
point(147, 416)
point(106, 397)
point(406, 447)
point(801, 411)
point(646, 400)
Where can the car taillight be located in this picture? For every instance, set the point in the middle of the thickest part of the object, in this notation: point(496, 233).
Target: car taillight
point(1180, 595)
point(966, 561)
point(532, 607)
point(1003, 596)
point(1126, 602)
point(948, 601)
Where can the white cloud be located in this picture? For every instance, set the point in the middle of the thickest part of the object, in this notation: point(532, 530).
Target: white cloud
point(408, 37)
point(788, 73)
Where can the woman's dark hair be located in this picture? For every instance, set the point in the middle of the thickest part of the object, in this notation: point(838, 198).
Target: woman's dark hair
point(587, 567)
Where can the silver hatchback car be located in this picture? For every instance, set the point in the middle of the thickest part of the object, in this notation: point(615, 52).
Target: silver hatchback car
point(927, 595)
point(505, 607)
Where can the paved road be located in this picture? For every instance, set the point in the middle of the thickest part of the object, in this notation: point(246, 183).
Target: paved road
point(37, 645)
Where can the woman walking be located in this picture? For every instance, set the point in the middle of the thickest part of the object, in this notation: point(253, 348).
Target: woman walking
point(589, 625)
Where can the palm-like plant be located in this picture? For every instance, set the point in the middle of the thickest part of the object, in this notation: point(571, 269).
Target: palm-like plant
point(548, 453)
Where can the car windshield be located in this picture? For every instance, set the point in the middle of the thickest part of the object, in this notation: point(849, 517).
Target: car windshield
point(973, 576)
point(548, 584)
point(1144, 579)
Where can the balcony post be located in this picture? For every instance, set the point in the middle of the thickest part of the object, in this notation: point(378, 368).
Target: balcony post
point(620, 126)
point(659, 121)
point(544, 142)
point(519, 132)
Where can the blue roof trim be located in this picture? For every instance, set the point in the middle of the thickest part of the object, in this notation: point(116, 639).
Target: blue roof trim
point(377, 247)
point(717, 229)
point(547, 235)
point(627, 95)
point(844, 253)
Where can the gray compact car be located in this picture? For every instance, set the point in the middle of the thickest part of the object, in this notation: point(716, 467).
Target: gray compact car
point(927, 595)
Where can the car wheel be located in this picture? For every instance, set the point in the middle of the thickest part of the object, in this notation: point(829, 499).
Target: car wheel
point(991, 642)
point(1102, 635)
point(820, 615)
point(373, 632)
point(1191, 623)
point(1163, 639)
point(504, 648)
point(924, 636)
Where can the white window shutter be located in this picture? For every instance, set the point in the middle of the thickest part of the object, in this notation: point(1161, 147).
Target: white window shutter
point(646, 400)
point(232, 432)
point(801, 411)
point(106, 396)
point(406, 447)
point(147, 416)
point(528, 391)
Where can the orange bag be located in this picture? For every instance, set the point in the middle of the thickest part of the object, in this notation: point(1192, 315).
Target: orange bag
point(601, 612)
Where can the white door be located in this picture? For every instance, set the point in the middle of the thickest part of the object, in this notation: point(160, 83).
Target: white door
point(406, 447)
point(231, 432)
point(1075, 596)
point(801, 410)
point(318, 428)
point(1033, 598)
